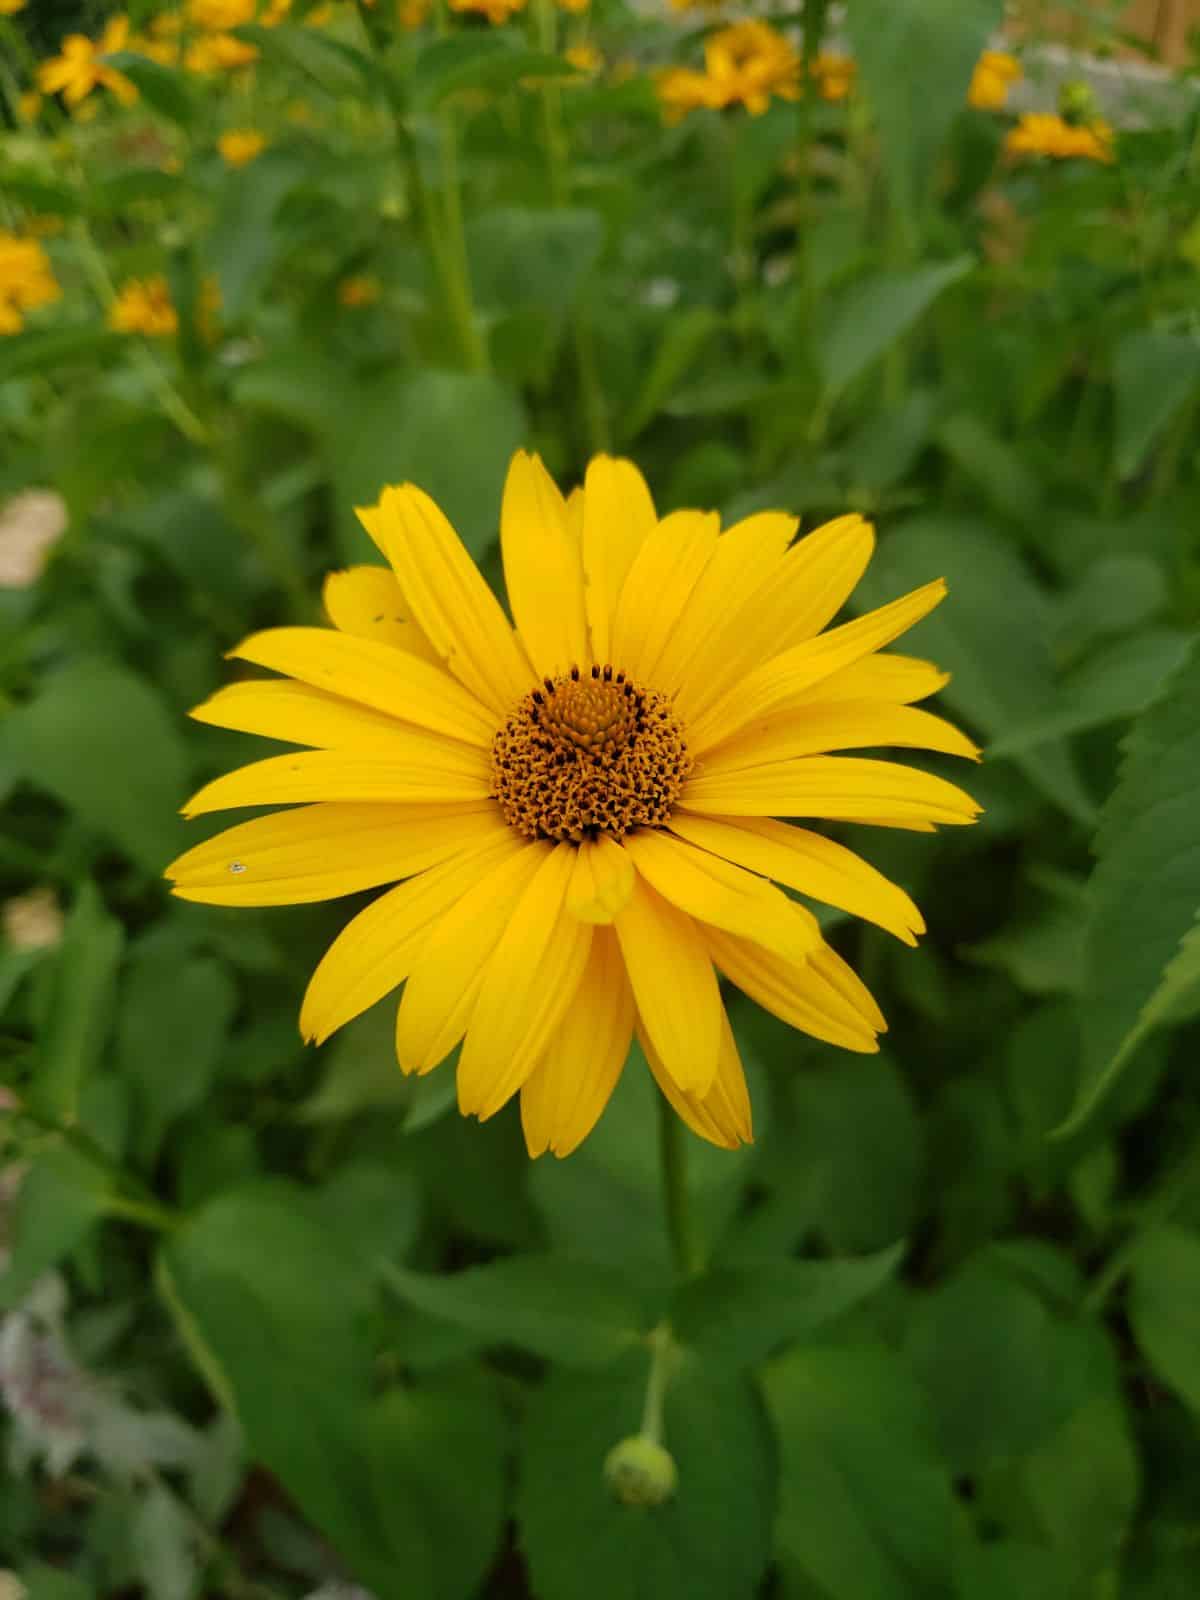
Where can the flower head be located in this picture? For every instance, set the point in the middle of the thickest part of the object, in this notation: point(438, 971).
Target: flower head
point(218, 16)
point(217, 52)
point(80, 68)
point(26, 280)
point(144, 306)
point(994, 75)
point(496, 11)
point(745, 64)
point(240, 146)
point(9, 8)
point(582, 807)
point(1044, 133)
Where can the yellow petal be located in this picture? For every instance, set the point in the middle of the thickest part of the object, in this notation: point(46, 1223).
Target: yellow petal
point(722, 1115)
point(281, 708)
point(376, 950)
point(563, 1097)
point(673, 984)
point(838, 725)
point(368, 602)
point(842, 788)
point(430, 773)
point(843, 978)
point(320, 852)
point(375, 675)
point(451, 603)
point(797, 992)
point(771, 687)
point(809, 863)
point(793, 603)
point(747, 555)
point(528, 984)
point(883, 676)
point(543, 570)
point(445, 981)
point(618, 518)
point(602, 880)
point(714, 890)
point(664, 573)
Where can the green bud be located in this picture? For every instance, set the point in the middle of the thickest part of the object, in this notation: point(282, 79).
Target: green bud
point(1077, 102)
point(640, 1472)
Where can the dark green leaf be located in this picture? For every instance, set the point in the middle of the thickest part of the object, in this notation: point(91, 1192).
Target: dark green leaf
point(1164, 1307)
point(1083, 1483)
point(60, 1198)
point(49, 348)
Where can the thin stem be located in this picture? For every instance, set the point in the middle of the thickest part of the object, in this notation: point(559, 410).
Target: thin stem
point(248, 513)
point(672, 1154)
point(662, 1352)
point(447, 234)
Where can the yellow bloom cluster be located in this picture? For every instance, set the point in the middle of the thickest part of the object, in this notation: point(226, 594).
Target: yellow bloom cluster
point(240, 146)
point(26, 280)
point(497, 11)
point(1045, 133)
point(144, 306)
point(994, 75)
point(745, 64)
point(80, 67)
point(9, 8)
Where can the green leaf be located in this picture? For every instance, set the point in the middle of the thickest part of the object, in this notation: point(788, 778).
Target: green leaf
point(710, 1542)
point(29, 187)
point(1083, 1483)
point(43, 1582)
point(60, 1198)
point(866, 1510)
point(736, 1316)
point(79, 1006)
point(1145, 888)
point(479, 61)
point(90, 727)
point(997, 466)
point(244, 241)
point(684, 335)
point(107, 196)
point(945, 36)
point(1164, 1307)
point(1155, 373)
point(162, 88)
point(875, 312)
point(991, 633)
point(282, 1309)
point(330, 63)
point(46, 349)
point(522, 257)
point(575, 1312)
point(446, 1443)
point(174, 1024)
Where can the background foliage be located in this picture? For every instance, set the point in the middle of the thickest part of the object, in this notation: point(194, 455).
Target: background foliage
point(275, 1316)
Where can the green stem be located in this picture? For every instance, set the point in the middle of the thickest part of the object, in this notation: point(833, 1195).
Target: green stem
point(672, 1154)
point(662, 1353)
point(138, 1204)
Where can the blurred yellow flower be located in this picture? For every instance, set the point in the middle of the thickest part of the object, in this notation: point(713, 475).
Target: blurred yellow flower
point(26, 280)
point(745, 64)
point(995, 73)
point(585, 57)
point(79, 69)
point(358, 291)
point(412, 13)
point(144, 306)
point(9, 8)
point(240, 146)
point(275, 12)
point(216, 16)
point(579, 809)
point(1044, 133)
point(494, 10)
point(834, 75)
point(29, 105)
point(576, 6)
point(217, 51)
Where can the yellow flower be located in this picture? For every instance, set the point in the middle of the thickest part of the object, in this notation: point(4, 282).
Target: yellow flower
point(585, 57)
point(275, 12)
point(1044, 133)
point(240, 146)
point(412, 13)
point(995, 73)
point(834, 75)
point(495, 11)
point(218, 51)
point(26, 280)
point(745, 64)
point(9, 8)
point(217, 16)
point(358, 291)
point(576, 6)
point(79, 69)
point(144, 306)
point(579, 812)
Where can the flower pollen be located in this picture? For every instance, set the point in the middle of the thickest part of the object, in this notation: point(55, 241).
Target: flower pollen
point(589, 753)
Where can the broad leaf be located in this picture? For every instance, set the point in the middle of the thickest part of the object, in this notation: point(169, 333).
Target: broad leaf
point(1154, 374)
point(875, 312)
point(1164, 1307)
point(79, 1006)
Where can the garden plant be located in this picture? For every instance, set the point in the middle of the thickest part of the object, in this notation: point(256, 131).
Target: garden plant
point(599, 802)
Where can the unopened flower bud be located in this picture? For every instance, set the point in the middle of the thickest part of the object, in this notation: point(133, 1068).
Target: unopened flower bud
point(1077, 102)
point(640, 1472)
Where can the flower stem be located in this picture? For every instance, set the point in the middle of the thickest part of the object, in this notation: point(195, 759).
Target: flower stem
point(672, 1154)
point(662, 1349)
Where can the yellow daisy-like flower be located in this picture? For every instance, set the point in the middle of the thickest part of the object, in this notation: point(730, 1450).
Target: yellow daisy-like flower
point(584, 57)
point(144, 306)
point(496, 11)
point(1045, 133)
point(583, 807)
point(412, 13)
point(745, 64)
point(217, 52)
point(994, 75)
point(240, 146)
point(833, 75)
point(9, 8)
point(26, 280)
point(80, 68)
point(217, 16)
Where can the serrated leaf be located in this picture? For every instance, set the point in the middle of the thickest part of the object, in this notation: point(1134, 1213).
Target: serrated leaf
point(79, 1006)
point(1145, 889)
point(736, 1316)
point(1164, 1307)
point(711, 1541)
point(575, 1312)
point(870, 316)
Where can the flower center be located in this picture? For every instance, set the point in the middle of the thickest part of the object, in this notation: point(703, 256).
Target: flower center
point(589, 753)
